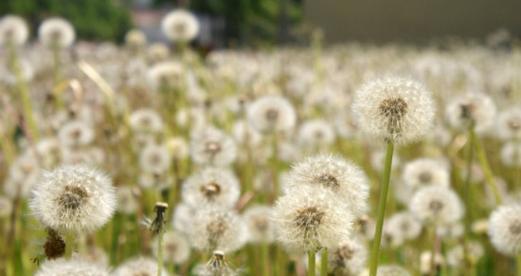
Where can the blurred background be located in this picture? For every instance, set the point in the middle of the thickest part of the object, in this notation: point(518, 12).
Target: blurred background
point(231, 23)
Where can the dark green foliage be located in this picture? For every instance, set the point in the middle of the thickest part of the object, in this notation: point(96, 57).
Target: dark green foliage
point(93, 19)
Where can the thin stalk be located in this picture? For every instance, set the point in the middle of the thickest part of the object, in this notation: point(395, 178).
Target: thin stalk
point(323, 262)
point(311, 263)
point(485, 166)
point(518, 265)
point(467, 194)
point(159, 252)
point(116, 228)
point(384, 188)
point(265, 259)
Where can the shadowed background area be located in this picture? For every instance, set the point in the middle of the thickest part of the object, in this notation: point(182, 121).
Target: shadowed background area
point(411, 20)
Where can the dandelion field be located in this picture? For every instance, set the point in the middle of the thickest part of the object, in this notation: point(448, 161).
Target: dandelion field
point(153, 159)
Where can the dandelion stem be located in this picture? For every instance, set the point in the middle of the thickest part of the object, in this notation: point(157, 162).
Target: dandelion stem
point(159, 252)
point(323, 262)
point(311, 263)
point(384, 188)
point(467, 197)
point(485, 166)
point(518, 265)
point(265, 259)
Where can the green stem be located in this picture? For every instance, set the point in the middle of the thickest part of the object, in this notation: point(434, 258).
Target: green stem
point(467, 194)
point(265, 259)
point(384, 188)
point(311, 263)
point(485, 166)
point(116, 228)
point(159, 252)
point(518, 265)
point(323, 262)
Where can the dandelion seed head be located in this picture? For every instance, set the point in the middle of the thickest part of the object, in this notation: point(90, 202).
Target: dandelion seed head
point(56, 32)
point(348, 257)
point(509, 123)
point(311, 218)
point(394, 109)
point(437, 204)
point(165, 75)
point(272, 114)
point(155, 159)
point(63, 267)
point(211, 146)
point(424, 172)
point(13, 29)
point(75, 134)
point(139, 266)
point(471, 107)
point(401, 227)
point(176, 248)
point(146, 120)
point(180, 26)
point(505, 229)
point(73, 198)
point(316, 133)
point(213, 186)
point(511, 154)
point(135, 38)
point(259, 223)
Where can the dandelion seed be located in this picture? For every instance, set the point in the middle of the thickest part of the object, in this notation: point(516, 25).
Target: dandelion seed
point(505, 229)
point(475, 108)
point(424, 172)
point(211, 146)
point(73, 198)
point(394, 109)
point(214, 186)
point(180, 26)
point(272, 114)
point(438, 205)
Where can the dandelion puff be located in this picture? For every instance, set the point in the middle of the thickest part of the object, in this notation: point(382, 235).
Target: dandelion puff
point(389, 270)
point(155, 159)
point(146, 120)
point(182, 217)
point(166, 74)
point(23, 175)
point(176, 249)
point(211, 146)
point(157, 52)
point(271, 114)
point(13, 30)
point(217, 229)
point(336, 174)
point(424, 172)
point(73, 198)
point(401, 227)
point(135, 38)
point(260, 226)
point(127, 199)
point(456, 255)
point(348, 258)
point(477, 108)
point(426, 262)
point(436, 204)
point(213, 186)
point(308, 219)
point(511, 154)
point(56, 32)
point(509, 123)
point(505, 229)
point(394, 109)
point(139, 266)
point(63, 267)
point(76, 133)
point(316, 133)
point(180, 26)
point(216, 266)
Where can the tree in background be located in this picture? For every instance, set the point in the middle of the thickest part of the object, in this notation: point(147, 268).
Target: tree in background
point(93, 19)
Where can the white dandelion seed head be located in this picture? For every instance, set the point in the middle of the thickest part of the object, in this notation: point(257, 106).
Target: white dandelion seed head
point(64, 267)
point(217, 229)
point(424, 172)
point(403, 193)
point(388, 270)
point(48, 149)
point(183, 216)
point(348, 257)
point(73, 198)
point(511, 154)
point(426, 261)
point(155, 159)
point(272, 114)
point(180, 25)
point(178, 147)
point(509, 123)
point(259, 223)
point(56, 32)
point(166, 74)
point(480, 226)
point(176, 249)
point(22, 176)
point(6, 206)
point(336, 174)
point(401, 227)
point(245, 134)
point(345, 126)
point(395, 109)
point(95, 255)
point(127, 199)
point(139, 266)
point(146, 120)
point(437, 204)
point(451, 231)
point(157, 52)
point(471, 107)
point(316, 133)
point(456, 255)
point(8, 76)
point(309, 218)
point(505, 229)
point(212, 186)
point(216, 266)
point(211, 146)
point(76, 133)
point(135, 38)
point(13, 29)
